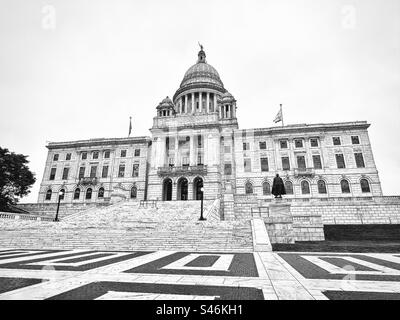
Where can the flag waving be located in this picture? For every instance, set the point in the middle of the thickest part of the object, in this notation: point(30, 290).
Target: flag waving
point(279, 116)
point(130, 126)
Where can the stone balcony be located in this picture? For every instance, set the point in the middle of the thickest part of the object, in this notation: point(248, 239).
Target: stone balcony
point(88, 181)
point(304, 172)
point(183, 170)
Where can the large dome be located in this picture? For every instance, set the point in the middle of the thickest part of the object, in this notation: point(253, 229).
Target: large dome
point(200, 73)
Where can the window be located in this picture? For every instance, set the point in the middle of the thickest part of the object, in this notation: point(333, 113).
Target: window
point(48, 194)
point(199, 159)
point(68, 156)
point(81, 172)
point(53, 173)
point(133, 193)
point(95, 155)
point(77, 193)
point(137, 152)
point(185, 161)
point(321, 187)
point(336, 141)
point(359, 160)
point(301, 162)
point(65, 174)
point(84, 155)
point(305, 187)
point(121, 171)
point(227, 149)
point(365, 186)
point(104, 172)
point(289, 187)
point(355, 140)
point(264, 165)
point(246, 146)
point(340, 161)
point(344, 184)
point(228, 169)
point(247, 165)
point(249, 188)
point(100, 194)
point(298, 143)
point(263, 145)
point(93, 171)
point(89, 194)
point(317, 161)
point(62, 194)
point(106, 154)
point(283, 144)
point(199, 141)
point(266, 188)
point(55, 157)
point(285, 163)
point(314, 142)
point(123, 153)
point(171, 162)
point(135, 170)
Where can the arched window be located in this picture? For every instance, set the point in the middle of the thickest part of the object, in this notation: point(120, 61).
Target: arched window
point(289, 187)
point(266, 188)
point(77, 193)
point(100, 194)
point(305, 187)
point(249, 188)
point(89, 194)
point(48, 194)
point(365, 188)
point(133, 193)
point(62, 195)
point(322, 187)
point(344, 184)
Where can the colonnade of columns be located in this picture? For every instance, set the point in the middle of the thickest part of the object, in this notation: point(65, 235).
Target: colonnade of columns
point(192, 103)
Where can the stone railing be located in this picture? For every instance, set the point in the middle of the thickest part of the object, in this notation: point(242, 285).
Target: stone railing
point(213, 212)
point(88, 181)
point(304, 172)
point(18, 216)
point(165, 171)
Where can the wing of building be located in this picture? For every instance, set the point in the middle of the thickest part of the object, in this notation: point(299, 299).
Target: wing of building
point(196, 142)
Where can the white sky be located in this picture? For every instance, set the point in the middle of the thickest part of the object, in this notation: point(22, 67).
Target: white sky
point(103, 61)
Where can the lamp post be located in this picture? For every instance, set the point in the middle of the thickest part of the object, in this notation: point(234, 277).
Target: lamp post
point(60, 194)
point(201, 205)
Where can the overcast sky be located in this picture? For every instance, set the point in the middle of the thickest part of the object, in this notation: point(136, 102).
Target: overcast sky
point(78, 69)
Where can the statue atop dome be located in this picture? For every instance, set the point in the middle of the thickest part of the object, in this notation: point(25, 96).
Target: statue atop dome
point(201, 47)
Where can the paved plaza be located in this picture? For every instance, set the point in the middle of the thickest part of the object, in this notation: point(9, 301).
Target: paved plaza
point(171, 275)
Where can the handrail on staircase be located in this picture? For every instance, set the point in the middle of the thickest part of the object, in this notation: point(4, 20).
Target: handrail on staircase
point(146, 203)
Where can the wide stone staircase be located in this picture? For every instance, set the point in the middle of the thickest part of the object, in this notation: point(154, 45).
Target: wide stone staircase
point(172, 225)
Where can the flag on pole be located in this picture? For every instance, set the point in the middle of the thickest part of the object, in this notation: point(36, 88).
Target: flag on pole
point(279, 116)
point(130, 126)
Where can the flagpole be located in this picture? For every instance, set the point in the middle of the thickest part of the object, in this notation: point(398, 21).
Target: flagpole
point(282, 115)
point(130, 126)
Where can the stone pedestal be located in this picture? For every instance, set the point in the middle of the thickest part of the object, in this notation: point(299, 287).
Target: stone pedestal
point(278, 208)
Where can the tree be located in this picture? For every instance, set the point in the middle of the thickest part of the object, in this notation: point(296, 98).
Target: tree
point(15, 178)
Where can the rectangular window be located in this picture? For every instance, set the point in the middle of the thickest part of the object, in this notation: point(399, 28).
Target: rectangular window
point(65, 174)
point(298, 143)
point(263, 145)
point(247, 165)
point(104, 172)
point(314, 143)
point(171, 162)
point(68, 156)
point(359, 160)
point(228, 169)
point(264, 165)
point(199, 141)
point(93, 171)
point(123, 153)
point(95, 155)
point(227, 149)
point(301, 162)
point(106, 154)
point(84, 155)
point(81, 172)
point(137, 152)
point(355, 140)
point(55, 157)
point(135, 170)
point(199, 159)
point(246, 146)
point(285, 163)
point(336, 141)
point(317, 161)
point(121, 171)
point(340, 161)
point(53, 173)
point(185, 161)
point(283, 144)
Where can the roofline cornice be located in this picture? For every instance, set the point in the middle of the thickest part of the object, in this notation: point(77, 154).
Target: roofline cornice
point(98, 142)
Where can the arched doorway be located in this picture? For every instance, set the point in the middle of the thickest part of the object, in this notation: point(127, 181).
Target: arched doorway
point(182, 189)
point(197, 185)
point(167, 190)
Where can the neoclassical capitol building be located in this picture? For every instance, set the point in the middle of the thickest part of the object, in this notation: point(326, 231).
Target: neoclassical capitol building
point(196, 142)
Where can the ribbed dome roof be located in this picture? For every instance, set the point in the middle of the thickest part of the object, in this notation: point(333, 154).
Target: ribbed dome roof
point(201, 72)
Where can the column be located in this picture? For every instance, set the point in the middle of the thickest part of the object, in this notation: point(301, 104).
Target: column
point(192, 103)
point(208, 103)
point(201, 102)
point(192, 151)
point(180, 105)
point(186, 104)
point(215, 103)
point(176, 162)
